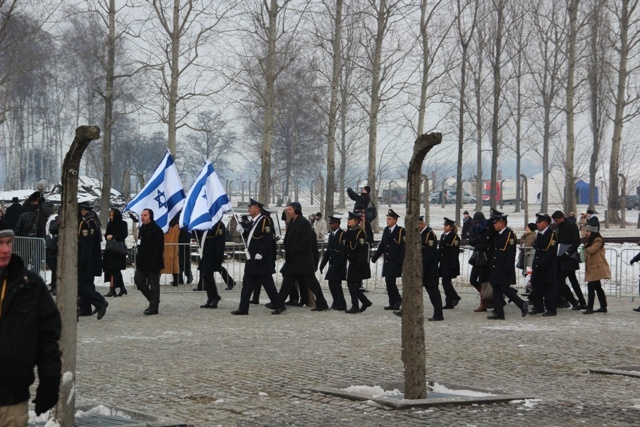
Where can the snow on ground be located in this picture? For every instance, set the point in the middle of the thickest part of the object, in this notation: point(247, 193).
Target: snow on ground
point(375, 391)
point(439, 388)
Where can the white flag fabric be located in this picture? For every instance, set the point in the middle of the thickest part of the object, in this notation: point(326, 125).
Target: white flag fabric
point(206, 201)
point(163, 194)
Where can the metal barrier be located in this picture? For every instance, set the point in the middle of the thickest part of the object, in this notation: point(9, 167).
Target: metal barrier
point(33, 253)
point(623, 283)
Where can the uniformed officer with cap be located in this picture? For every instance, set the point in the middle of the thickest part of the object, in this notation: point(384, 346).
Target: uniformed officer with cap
point(543, 274)
point(258, 268)
point(89, 263)
point(335, 255)
point(502, 270)
point(449, 267)
point(392, 247)
point(358, 268)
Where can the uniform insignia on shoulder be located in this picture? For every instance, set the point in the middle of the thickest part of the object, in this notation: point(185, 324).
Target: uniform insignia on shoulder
point(430, 242)
point(512, 242)
point(85, 233)
point(553, 243)
point(361, 241)
point(92, 231)
point(267, 229)
point(404, 238)
point(220, 233)
point(456, 243)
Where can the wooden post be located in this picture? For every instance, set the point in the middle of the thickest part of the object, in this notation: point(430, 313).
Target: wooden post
point(67, 274)
point(413, 351)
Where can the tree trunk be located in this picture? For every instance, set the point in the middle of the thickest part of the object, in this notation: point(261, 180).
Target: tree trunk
point(175, 74)
point(413, 337)
point(569, 187)
point(67, 274)
point(333, 111)
point(105, 201)
point(497, 87)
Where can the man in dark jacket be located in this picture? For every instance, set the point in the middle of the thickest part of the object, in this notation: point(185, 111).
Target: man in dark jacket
point(358, 268)
point(13, 213)
point(299, 262)
point(392, 247)
point(544, 268)
point(503, 269)
point(336, 257)
point(568, 243)
point(212, 258)
point(149, 260)
point(33, 222)
point(29, 332)
point(362, 202)
point(89, 263)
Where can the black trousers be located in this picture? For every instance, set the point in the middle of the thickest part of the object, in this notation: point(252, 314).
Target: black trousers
point(88, 296)
point(478, 275)
point(436, 300)
point(337, 294)
point(395, 300)
point(355, 291)
point(563, 288)
point(499, 290)
point(450, 294)
point(253, 281)
point(305, 281)
point(148, 283)
point(594, 288)
point(543, 295)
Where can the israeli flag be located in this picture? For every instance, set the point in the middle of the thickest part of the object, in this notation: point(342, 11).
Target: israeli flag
point(163, 194)
point(206, 201)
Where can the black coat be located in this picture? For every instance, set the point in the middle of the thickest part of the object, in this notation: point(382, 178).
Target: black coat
point(480, 238)
point(119, 230)
point(336, 256)
point(298, 255)
point(362, 200)
point(89, 248)
point(569, 234)
point(357, 249)
point(260, 242)
point(149, 256)
point(429, 250)
point(544, 268)
point(466, 228)
point(392, 246)
point(503, 262)
point(30, 329)
point(213, 248)
point(449, 255)
point(13, 214)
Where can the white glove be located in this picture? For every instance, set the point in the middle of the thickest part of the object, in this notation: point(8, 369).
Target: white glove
point(239, 228)
point(258, 257)
point(247, 254)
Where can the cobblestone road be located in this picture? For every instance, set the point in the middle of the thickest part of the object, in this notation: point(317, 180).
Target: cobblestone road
point(206, 367)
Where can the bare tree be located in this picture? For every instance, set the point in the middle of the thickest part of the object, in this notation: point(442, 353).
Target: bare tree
point(569, 196)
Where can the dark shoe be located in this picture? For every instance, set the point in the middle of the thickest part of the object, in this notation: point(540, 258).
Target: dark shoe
point(189, 278)
point(495, 317)
point(85, 313)
point(588, 311)
point(278, 311)
point(239, 312)
point(535, 311)
point(435, 319)
point(254, 302)
point(206, 305)
point(53, 291)
point(564, 305)
point(389, 307)
point(601, 310)
point(103, 310)
point(579, 307)
point(95, 310)
point(398, 313)
point(455, 302)
point(151, 312)
point(548, 314)
point(292, 303)
point(636, 309)
point(197, 289)
point(270, 306)
point(366, 305)
point(524, 309)
point(111, 293)
point(229, 287)
point(320, 308)
point(352, 310)
point(123, 291)
point(338, 308)
point(448, 307)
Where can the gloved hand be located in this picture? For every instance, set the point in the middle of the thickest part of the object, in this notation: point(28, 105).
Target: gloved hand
point(47, 394)
point(631, 262)
point(349, 189)
point(239, 228)
point(373, 260)
point(258, 257)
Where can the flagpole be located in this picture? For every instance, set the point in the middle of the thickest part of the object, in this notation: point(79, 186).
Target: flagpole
point(241, 234)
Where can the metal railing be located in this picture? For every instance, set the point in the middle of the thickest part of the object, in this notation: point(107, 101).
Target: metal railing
point(32, 251)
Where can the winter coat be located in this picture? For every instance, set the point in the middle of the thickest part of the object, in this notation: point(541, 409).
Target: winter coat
point(357, 248)
point(30, 329)
point(596, 265)
point(13, 214)
point(362, 200)
point(392, 246)
point(119, 230)
point(429, 251)
point(335, 255)
point(170, 252)
point(150, 248)
point(545, 262)
point(568, 234)
point(260, 241)
point(89, 249)
point(449, 253)
point(320, 228)
point(503, 269)
point(213, 248)
point(298, 255)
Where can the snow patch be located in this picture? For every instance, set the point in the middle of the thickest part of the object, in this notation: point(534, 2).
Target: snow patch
point(439, 388)
point(102, 410)
point(375, 391)
point(526, 403)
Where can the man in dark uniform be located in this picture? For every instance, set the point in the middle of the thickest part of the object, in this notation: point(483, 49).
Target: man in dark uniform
point(362, 202)
point(502, 272)
point(255, 299)
point(89, 263)
point(149, 261)
point(358, 268)
point(429, 250)
point(211, 261)
point(449, 267)
point(568, 243)
point(392, 246)
point(544, 268)
point(13, 213)
point(335, 255)
point(258, 269)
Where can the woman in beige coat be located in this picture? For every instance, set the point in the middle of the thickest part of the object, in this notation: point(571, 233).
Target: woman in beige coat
point(596, 269)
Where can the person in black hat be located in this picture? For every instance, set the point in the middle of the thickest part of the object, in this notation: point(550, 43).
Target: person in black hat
point(336, 256)
point(503, 270)
point(467, 223)
point(299, 260)
point(13, 213)
point(358, 268)
point(89, 264)
point(258, 269)
point(255, 298)
point(480, 241)
point(392, 246)
point(449, 266)
point(362, 202)
point(544, 268)
point(568, 243)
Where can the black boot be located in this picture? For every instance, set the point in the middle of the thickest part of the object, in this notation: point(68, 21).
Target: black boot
point(112, 292)
point(123, 291)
